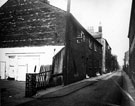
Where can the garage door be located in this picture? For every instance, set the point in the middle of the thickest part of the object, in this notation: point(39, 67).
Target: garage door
point(22, 72)
point(26, 64)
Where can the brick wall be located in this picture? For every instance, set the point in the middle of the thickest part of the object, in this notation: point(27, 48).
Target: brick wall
point(132, 44)
point(31, 23)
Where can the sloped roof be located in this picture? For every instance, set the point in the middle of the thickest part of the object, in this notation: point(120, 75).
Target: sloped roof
point(31, 23)
point(96, 35)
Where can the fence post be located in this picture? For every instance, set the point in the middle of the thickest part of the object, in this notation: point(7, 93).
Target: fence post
point(30, 87)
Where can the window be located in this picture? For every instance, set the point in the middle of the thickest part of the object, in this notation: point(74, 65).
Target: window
point(83, 36)
point(80, 37)
point(95, 47)
point(108, 47)
point(90, 43)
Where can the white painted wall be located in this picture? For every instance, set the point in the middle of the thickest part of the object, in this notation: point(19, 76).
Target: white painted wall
point(19, 61)
point(103, 55)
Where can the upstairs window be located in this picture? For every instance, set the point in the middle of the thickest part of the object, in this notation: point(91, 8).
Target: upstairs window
point(80, 37)
point(90, 43)
point(95, 47)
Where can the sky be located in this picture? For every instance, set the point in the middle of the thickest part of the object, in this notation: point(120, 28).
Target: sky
point(114, 16)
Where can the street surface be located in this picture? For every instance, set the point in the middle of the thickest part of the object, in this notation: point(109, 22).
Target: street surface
point(105, 90)
point(12, 93)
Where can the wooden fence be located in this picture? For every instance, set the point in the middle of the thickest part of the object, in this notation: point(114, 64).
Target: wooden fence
point(36, 81)
point(42, 80)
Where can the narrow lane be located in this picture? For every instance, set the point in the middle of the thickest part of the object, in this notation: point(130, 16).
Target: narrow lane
point(105, 92)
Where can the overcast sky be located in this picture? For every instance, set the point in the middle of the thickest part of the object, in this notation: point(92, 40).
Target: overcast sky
point(114, 16)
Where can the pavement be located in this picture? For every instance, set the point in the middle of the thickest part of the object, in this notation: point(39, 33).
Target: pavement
point(128, 91)
point(60, 91)
point(128, 85)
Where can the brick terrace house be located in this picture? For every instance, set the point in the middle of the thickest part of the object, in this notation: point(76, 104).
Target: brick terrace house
point(31, 33)
point(106, 49)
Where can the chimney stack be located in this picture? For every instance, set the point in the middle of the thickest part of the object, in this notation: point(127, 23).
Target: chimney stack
point(100, 29)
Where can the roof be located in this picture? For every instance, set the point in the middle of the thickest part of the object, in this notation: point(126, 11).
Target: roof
point(96, 35)
point(31, 23)
point(88, 34)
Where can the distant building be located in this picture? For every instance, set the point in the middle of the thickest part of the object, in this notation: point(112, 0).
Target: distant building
point(106, 58)
point(126, 62)
point(126, 58)
point(98, 34)
point(114, 63)
point(106, 49)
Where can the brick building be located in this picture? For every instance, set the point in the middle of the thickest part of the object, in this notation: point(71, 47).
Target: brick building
point(106, 49)
point(31, 32)
point(131, 36)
